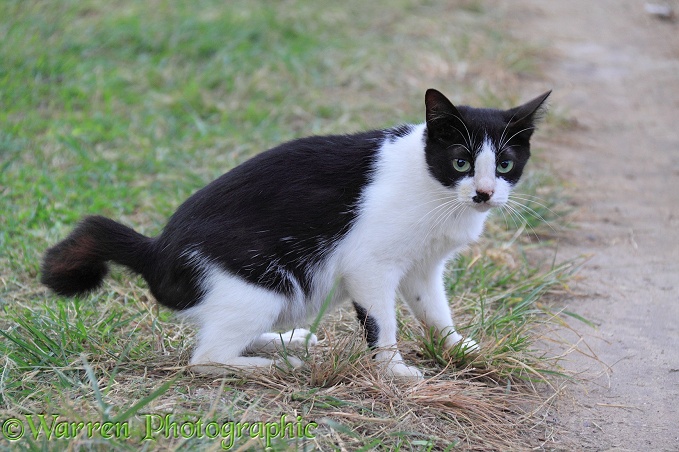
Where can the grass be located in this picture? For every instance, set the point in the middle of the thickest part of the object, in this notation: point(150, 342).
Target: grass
point(124, 109)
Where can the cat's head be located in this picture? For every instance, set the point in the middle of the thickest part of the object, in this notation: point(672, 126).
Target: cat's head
point(479, 153)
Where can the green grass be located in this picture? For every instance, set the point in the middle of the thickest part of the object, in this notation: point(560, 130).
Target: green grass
point(125, 108)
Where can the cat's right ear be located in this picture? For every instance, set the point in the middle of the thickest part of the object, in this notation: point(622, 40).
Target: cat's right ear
point(442, 116)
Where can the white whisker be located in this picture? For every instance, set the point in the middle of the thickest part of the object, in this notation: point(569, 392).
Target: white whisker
point(445, 211)
point(502, 211)
point(502, 145)
point(504, 131)
point(531, 211)
point(516, 213)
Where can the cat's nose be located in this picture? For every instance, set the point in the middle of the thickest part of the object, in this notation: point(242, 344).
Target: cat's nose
point(482, 196)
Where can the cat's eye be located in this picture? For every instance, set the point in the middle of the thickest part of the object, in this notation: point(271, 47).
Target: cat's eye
point(505, 166)
point(461, 165)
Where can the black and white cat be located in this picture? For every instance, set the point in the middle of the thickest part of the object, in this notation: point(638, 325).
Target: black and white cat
point(373, 215)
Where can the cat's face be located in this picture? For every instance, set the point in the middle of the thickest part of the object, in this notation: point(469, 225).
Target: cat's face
point(478, 153)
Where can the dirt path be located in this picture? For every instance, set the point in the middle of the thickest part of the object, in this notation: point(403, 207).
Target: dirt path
point(615, 69)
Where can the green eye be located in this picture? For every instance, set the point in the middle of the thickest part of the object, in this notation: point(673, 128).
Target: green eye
point(461, 165)
point(505, 166)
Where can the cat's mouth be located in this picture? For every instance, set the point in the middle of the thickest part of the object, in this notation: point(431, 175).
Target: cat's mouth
point(483, 206)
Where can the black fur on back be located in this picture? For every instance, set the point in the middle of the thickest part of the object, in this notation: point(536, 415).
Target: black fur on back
point(273, 218)
point(269, 220)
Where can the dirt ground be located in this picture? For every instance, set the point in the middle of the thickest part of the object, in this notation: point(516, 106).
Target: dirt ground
point(615, 72)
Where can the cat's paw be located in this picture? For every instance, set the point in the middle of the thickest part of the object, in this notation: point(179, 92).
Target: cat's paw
point(469, 346)
point(399, 370)
point(289, 361)
point(233, 365)
point(465, 345)
point(293, 340)
point(299, 339)
point(242, 364)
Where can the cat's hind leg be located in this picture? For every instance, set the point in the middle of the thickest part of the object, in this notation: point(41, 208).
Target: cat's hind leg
point(232, 315)
point(295, 340)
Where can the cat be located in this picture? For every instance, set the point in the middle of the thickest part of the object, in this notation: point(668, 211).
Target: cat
point(366, 217)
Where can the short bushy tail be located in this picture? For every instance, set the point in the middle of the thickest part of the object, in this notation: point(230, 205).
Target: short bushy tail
point(77, 264)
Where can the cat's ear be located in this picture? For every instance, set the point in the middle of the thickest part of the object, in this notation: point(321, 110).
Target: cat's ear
point(529, 113)
point(442, 116)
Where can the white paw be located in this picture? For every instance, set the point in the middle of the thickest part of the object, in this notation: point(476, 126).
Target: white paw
point(399, 370)
point(294, 340)
point(289, 361)
point(207, 369)
point(210, 366)
point(299, 338)
point(453, 338)
point(467, 345)
point(470, 346)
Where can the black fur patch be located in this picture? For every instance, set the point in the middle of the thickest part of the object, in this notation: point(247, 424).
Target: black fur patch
point(273, 218)
point(400, 131)
point(77, 264)
point(370, 327)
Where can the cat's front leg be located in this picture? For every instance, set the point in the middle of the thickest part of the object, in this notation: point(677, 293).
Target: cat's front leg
point(380, 332)
point(423, 290)
point(376, 311)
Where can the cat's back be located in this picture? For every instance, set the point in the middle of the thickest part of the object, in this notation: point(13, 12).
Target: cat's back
point(309, 171)
point(306, 189)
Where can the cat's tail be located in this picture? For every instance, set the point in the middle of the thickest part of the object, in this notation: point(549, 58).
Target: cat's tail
point(78, 264)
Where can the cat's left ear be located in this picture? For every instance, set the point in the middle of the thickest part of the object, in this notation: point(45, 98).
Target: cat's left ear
point(443, 119)
point(529, 113)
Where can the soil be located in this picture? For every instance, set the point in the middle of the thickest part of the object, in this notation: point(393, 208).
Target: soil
point(614, 69)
